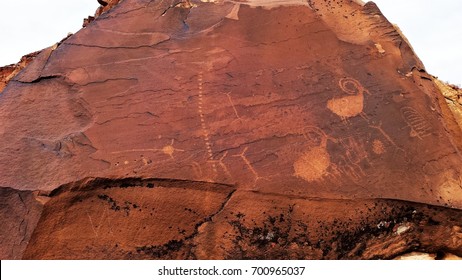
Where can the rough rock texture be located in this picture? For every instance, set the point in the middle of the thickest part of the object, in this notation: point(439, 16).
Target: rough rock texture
point(104, 7)
point(19, 212)
point(252, 129)
point(453, 96)
point(8, 72)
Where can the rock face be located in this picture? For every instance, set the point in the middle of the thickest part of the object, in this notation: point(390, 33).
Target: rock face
point(229, 130)
point(19, 212)
point(10, 71)
point(453, 96)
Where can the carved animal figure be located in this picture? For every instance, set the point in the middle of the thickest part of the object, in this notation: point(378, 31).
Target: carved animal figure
point(351, 105)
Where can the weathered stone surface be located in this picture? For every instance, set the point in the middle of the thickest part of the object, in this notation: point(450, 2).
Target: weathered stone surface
point(19, 213)
point(8, 72)
point(453, 96)
point(256, 129)
point(127, 218)
point(104, 7)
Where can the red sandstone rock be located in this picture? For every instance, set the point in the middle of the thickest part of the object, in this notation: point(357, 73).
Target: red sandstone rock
point(254, 129)
point(106, 6)
point(9, 71)
point(453, 96)
point(19, 212)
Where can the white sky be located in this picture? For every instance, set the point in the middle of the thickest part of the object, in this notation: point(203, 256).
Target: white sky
point(433, 27)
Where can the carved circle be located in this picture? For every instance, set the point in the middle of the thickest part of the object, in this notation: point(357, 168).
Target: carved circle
point(315, 136)
point(350, 86)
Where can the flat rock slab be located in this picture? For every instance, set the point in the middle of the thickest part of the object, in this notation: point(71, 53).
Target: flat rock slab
point(19, 213)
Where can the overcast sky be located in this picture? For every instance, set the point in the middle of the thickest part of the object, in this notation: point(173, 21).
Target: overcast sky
point(433, 27)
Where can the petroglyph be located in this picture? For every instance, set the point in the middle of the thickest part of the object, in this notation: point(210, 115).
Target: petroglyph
point(380, 129)
point(232, 104)
point(205, 130)
point(377, 147)
point(355, 154)
point(350, 171)
point(317, 164)
point(355, 151)
point(350, 86)
point(246, 161)
point(222, 164)
point(98, 227)
point(419, 126)
point(136, 150)
point(170, 150)
point(398, 151)
point(351, 105)
point(197, 169)
point(312, 165)
point(249, 166)
point(314, 136)
point(92, 225)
